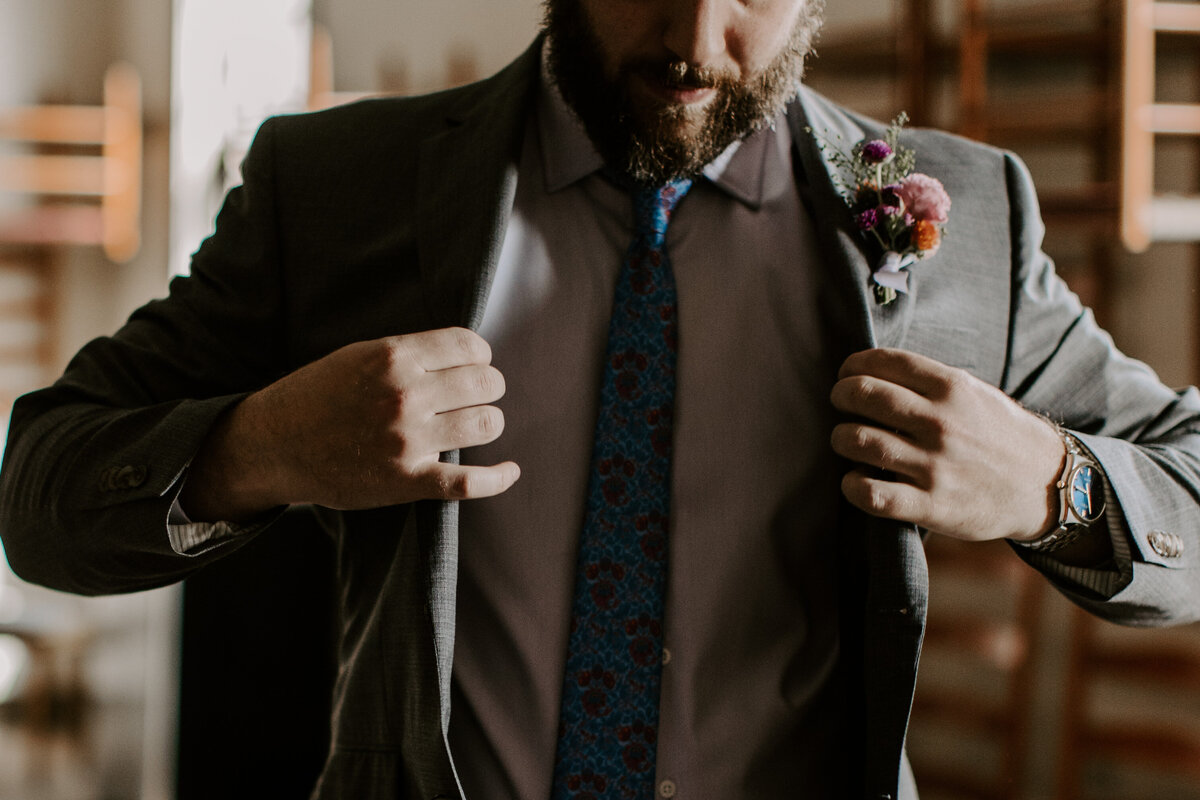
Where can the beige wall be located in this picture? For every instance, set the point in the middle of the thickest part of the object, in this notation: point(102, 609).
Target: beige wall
point(416, 38)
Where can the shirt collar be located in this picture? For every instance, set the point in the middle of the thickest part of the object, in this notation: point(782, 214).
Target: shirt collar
point(568, 155)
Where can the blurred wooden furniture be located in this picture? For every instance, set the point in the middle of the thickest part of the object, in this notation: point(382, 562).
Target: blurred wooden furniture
point(50, 709)
point(462, 67)
point(1146, 216)
point(975, 690)
point(320, 74)
point(904, 53)
point(1130, 713)
point(1076, 33)
point(1105, 112)
point(72, 173)
point(26, 341)
point(1077, 118)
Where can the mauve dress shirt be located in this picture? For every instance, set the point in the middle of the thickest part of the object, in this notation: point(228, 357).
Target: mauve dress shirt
point(750, 702)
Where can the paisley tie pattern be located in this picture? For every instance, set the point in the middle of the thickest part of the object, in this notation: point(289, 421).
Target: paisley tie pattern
point(609, 714)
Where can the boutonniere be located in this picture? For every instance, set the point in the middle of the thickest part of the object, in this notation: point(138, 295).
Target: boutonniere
point(904, 211)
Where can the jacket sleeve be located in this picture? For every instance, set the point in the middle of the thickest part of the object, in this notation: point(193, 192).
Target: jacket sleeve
point(92, 463)
point(1145, 435)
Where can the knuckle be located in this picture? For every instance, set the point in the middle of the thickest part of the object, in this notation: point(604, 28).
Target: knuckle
point(460, 485)
point(861, 388)
point(490, 421)
point(864, 440)
point(487, 382)
point(873, 496)
point(877, 498)
point(886, 455)
point(403, 401)
point(395, 352)
point(472, 345)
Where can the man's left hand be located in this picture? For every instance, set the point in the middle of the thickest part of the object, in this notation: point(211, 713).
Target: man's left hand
point(940, 448)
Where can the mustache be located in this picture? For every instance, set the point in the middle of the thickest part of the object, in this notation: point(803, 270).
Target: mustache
point(681, 75)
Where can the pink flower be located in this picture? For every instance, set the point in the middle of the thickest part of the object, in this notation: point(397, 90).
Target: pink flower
point(925, 198)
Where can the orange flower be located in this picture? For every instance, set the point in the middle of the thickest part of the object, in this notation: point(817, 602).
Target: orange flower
point(926, 236)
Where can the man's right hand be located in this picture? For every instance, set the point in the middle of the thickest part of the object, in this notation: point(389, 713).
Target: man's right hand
point(360, 428)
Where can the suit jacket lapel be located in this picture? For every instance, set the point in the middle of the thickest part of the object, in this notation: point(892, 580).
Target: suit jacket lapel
point(463, 214)
point(883, 595)
point(853, 315)
point(464, 210)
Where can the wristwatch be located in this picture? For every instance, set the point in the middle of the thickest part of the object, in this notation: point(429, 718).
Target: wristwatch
point(1080, 498)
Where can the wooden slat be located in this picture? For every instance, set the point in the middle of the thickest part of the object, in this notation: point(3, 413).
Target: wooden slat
point(1173, 219)
point(1174, 118)
point(1137, 146)
point(1001, 645)
point(1048, 43)
point(51, 225)
point(1177, 17)
point(1177, 752)
point(959, 709)
point(108, 170)
point(1036, 15)
point(54, 124)
point(1052, 118)
point(70, 176)
point(121, 206)
point(1179, 668)
point(1098, 201)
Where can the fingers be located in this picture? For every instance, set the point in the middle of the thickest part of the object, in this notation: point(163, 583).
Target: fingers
point(889, 404)
point(915, 372)
point(462, 387)
point(458, 482)
point(883, 498)
point(443, 349)
point(874, 447)
point(464, 427)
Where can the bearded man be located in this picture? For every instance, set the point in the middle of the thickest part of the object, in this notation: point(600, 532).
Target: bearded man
point(709, 580)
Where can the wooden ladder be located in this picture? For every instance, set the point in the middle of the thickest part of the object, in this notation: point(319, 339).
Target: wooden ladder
point(77, 170)
point(1146, 216)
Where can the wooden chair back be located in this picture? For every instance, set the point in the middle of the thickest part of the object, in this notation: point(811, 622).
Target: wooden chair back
point(72, 174)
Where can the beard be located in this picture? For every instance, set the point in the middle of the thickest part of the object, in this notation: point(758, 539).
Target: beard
point(651, 146)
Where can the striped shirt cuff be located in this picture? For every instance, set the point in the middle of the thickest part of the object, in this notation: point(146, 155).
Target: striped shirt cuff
point(1101, 581)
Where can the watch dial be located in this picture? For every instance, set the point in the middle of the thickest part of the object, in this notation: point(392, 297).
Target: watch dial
point(1087, 493)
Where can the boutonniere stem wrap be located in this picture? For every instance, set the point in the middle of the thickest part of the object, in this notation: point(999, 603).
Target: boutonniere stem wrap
point(903, 211)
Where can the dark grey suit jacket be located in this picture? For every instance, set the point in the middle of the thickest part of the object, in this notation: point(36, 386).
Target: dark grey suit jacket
point(386, 217)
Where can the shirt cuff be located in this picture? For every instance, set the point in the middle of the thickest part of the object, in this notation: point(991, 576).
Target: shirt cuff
point(1102, 581)
point(190, 538)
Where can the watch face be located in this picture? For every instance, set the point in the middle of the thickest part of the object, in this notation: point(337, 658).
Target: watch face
point(1087, 493)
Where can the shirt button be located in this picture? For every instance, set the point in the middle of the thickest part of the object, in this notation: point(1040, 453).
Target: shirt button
point(666, 789)
point(666, 656)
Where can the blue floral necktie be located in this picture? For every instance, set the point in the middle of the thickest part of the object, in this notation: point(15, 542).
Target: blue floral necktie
point(608, 722)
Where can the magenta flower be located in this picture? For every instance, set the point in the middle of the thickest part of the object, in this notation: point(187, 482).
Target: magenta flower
point(876, 151)
point(925, 198)
point(867, 219)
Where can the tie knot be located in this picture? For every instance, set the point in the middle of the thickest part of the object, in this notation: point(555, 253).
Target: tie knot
point(652, 207)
